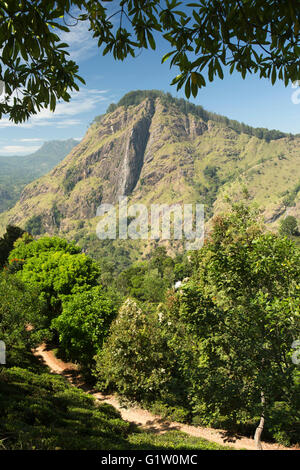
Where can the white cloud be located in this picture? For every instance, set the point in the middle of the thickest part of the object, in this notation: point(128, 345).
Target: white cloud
point(81, 102)
point(18, 149)
point(30, 140)
point(5, 122)
point(97, 92)
point(82, 45)
point(68, 123)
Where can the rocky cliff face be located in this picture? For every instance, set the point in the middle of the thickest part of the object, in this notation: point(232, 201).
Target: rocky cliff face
point(134, 150)
point(154, 152)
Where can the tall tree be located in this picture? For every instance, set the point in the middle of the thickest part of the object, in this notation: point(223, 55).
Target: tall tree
point(7, 242)
point(55, 268)
point(251, 281)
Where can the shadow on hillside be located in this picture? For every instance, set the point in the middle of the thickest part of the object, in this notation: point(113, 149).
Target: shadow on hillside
point(230, 436)
point(159, 425)
point(76, 379)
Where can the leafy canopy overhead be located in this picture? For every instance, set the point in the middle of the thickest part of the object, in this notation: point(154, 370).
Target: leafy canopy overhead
point(205, 37)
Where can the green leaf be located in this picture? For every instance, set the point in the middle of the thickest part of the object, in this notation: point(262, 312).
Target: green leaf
point(187, 89)
point(211, 71)
point(219, 69)
point(273, 77)
point(151, 40)
point(166, 56)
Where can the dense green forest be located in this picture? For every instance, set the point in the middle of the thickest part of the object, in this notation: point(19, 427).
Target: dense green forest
point(40, 410)
point(204, 337)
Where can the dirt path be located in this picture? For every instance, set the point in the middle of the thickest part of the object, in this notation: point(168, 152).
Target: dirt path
point(144, 418)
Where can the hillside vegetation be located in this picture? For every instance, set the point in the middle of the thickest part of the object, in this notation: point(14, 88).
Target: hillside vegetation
point(156, 149)
point(42, 411)
point(134, 98)
point(218, 350)
point(208, 337)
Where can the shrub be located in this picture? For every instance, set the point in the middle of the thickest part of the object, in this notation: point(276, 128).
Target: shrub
point(56, 268)
point(134, 356)
point(35, 225)
point(7, 242)
point(289, 226)
point(84, 323)
point(19, 306)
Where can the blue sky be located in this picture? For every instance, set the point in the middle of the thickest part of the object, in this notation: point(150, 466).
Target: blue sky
point(253, 101)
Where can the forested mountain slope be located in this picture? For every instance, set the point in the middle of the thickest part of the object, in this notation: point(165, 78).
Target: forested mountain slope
point(156, 149)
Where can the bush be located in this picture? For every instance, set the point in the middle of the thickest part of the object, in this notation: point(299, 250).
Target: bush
point(7, 242)
point(19, 306)
point(135, 355)
point(283, 422)
point(289, 226)
point(84, 323)
point(172, 413)
point(56, 268)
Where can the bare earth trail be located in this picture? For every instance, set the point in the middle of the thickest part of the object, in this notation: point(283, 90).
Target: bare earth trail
point(143, 418)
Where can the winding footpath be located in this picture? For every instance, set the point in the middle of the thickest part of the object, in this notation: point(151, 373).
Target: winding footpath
point(144, 418)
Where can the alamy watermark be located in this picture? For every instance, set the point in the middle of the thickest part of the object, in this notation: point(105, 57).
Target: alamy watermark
point(2, 89)
point(296, 354)
point(2, 353)
point(296, 94)
point(162, 222)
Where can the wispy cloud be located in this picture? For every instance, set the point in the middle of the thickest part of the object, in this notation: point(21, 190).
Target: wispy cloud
point(18, 149)
point(64, 116)
point(82, 45)
point(30, 140)
point(67, 123)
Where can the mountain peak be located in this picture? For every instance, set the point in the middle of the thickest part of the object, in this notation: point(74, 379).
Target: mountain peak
point(134, 98)
point(156, 149)
point(56, 147)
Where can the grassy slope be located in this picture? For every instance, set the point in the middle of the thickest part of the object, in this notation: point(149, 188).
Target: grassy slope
point(173, 170)
point(39, 410)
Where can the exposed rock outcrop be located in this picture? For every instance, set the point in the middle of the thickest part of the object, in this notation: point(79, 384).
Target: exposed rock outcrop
point(154, 152)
